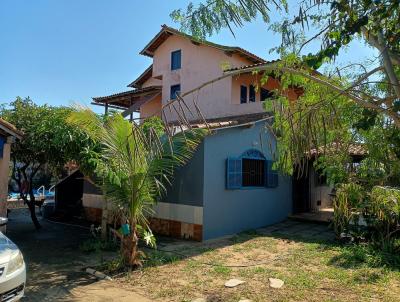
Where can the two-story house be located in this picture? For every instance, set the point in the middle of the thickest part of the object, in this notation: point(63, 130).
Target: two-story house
point(229, 185)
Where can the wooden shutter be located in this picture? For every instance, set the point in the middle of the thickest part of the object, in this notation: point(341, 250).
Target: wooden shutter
point(252, 93)
point(243, 94)
point(271, 176)
point(2, 142)
point(176, 60)
point(233, 173)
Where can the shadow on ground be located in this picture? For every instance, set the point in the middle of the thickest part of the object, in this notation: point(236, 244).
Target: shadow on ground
point(348, 257)
point(55, 264)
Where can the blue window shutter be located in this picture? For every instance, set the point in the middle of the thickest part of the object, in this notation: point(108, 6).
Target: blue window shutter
point(252, 93)
point(271, 176)
point(243, 94)
point(176, 59)
point(233, 173)
point(174, 90)
point(2, 142)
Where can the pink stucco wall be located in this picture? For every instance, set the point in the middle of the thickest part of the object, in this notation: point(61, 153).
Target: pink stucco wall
point(4, 176)
point(151, 108)
point(152, 82)
point(202, 63)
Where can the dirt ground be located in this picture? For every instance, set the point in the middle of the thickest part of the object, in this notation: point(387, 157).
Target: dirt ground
point(55, 264)
point(304, 255)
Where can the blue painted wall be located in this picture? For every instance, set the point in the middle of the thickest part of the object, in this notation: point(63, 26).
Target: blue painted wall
point(231, 211)
point(187, 184)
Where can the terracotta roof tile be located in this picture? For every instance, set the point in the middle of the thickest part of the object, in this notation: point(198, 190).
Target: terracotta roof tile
point(134, 92)
point(167, 31)
point(353, 149)
point(10, 128)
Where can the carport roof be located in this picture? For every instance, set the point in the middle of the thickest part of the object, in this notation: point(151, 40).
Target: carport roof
point(9, 129)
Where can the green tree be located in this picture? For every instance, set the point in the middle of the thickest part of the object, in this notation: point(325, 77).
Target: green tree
point(132, 169)
point(48, 140)
point(330, 26)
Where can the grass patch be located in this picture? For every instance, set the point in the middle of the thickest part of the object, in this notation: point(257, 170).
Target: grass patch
point(356, 256)
point(313, 270)
point(222, 270)
point(95, 245)
point(155, 258)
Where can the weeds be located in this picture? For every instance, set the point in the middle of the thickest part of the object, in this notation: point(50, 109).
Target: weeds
point(96, 245)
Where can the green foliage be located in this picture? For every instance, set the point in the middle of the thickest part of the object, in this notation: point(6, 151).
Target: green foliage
point(133, 167)
point(113, 266)
point(153, 125)
point(96, 245)
point(347, 206)
point(379, 209)
point(47, 139)
point(211, 16)
point(363, 255)
point(384, 216)
point(156, 257)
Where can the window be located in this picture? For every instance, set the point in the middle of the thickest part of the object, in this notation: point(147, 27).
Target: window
point(175, 89)
point(243, 94)
point(252, 93)
point(2, 142)
point(253, 172)
point(176, 59)
point(265, 94)
point(251, 169)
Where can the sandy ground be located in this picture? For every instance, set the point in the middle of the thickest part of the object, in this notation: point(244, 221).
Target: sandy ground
point(55, 264)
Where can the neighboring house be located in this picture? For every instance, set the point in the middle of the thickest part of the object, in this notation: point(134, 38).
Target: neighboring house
point(229, 185)
point(8, 133)
point(311, 192)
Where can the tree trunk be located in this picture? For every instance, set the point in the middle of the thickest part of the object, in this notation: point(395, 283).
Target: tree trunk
point(104, 220)
point(32, 208)
point(129, 249)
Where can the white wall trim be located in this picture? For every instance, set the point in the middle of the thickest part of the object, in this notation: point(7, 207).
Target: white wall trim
point(179, 212)
point(92, 201)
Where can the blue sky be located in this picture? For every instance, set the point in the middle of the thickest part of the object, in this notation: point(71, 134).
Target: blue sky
point(63, 51)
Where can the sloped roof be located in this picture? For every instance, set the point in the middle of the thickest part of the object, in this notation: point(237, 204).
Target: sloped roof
point(352, 149)
point(229, 121)
point(10, 129)
point(142, 78)
point(261, 64)
point(167, 31)
point(125, 99)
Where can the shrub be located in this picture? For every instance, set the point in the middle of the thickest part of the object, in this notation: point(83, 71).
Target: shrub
point(348, 205)
point(379, 210)
point(384, 216)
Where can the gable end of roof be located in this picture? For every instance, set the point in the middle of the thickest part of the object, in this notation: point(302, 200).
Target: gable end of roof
point(167, 31)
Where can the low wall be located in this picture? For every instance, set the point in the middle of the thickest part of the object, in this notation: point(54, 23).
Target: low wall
point(93, 207)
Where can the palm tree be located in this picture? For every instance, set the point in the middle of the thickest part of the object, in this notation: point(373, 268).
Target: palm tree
point(134, 166)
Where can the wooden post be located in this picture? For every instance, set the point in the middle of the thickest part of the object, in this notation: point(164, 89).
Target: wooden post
point(131, 115)
point(104, 220)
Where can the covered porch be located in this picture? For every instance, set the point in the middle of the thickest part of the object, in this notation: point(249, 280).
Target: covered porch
point(146, 101)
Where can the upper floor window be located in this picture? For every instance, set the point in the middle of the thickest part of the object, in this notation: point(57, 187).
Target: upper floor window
point(243, 94)
point(176, 59)
point(265, 94)
point(252, 93)
point(175, 89)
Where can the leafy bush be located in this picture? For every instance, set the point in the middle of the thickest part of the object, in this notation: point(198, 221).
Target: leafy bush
point(384, 216)
point(378, 209)
point(348, 205)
